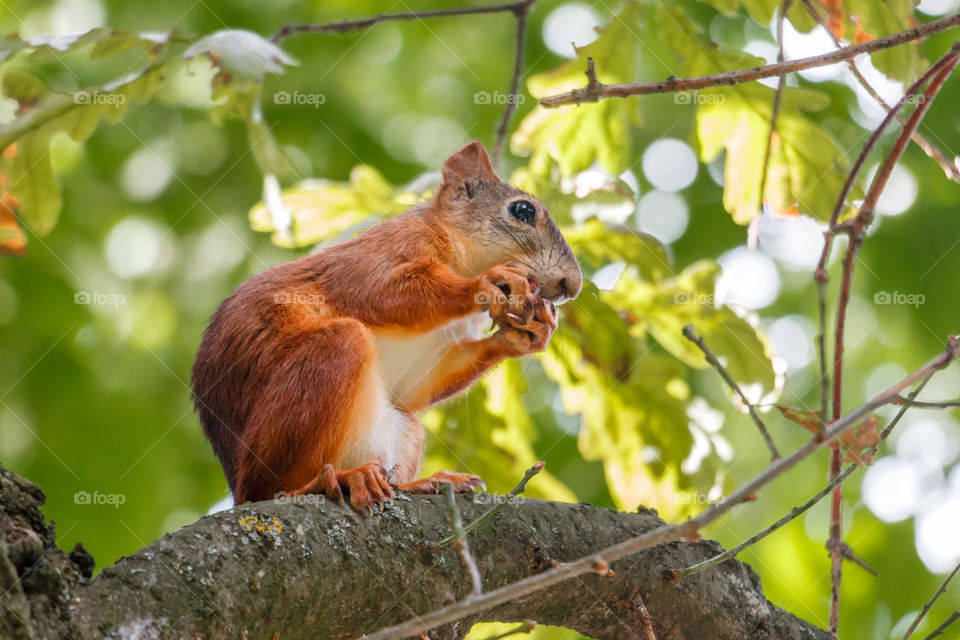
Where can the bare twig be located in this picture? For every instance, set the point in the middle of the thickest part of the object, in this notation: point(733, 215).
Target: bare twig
point(460, 539)
point(517, 490)
point(943, 627)
point(345, 26)
point(820, 274)
point(646, 621)
point(949, 167)
point(796, 511)
point(691, 335)
point(857, 234)
point(728, 78)
point(949, 404)
point(926, 608)
point(521, 11)
point(665, 533)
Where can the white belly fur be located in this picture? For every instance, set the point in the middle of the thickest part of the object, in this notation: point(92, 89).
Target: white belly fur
point(406, 363)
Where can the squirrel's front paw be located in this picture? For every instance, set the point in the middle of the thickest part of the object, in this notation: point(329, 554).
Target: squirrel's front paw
point(531, 337)
point(509, 293)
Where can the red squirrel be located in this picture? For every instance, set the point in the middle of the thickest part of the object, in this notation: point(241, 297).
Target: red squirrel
point(310, 375)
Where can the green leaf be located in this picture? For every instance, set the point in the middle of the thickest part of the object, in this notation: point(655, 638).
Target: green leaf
point(105, 44)
point(806, 170)
point(32, 181)
point(663, 308)
point(322, 210)
point(22, 86)
point(877, 19)
point(575, 136)
point(596, 245)
point(487, 431)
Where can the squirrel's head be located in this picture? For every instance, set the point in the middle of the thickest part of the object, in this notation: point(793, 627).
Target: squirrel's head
point(500, 223)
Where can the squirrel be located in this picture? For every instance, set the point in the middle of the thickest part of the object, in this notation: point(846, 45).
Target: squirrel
point(310, 375)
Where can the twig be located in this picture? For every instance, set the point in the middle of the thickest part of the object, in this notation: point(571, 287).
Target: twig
point(777, 100)
point(345, 26)
point(646, 621)
point(949, 168)
point(691, 335)
point(857, 233)
point(664, 533)
point(820, 274)
point(728, 78)
point(517, 490)
point(460, 536)
point(949, 404)
point(796, 511)
point(845, 552)
point(949, 621)
point(521, 11)
point(926, 608)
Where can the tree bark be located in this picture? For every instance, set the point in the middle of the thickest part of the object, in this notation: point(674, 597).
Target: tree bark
point(314, 569)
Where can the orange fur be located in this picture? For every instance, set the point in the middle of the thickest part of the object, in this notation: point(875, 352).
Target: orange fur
point(295, 379)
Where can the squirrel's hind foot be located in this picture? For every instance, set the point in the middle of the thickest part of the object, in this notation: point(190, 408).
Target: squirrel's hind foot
point(366, 486)
point(462, 483)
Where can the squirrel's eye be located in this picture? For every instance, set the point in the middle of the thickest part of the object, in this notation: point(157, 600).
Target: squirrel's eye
point(523, 211)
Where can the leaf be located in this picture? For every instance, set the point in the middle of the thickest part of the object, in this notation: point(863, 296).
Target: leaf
point(859, 438)
point(664, 307)
point(596, 245)
point(877, 19)
point(487, 431)
point(809, 420)
point(13, 241)
point(242, 53)
point(807, 168)
point(106, 43)
point(763, 11)
point(322, 210)
point(34, 185)
point(573, 137)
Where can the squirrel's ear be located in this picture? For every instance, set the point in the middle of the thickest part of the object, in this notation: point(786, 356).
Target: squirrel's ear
point(468, 164)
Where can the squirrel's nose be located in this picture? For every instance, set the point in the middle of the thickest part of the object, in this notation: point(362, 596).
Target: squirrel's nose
point(570, 286)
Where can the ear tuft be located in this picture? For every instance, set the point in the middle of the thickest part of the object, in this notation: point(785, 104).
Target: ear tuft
point(468, 164)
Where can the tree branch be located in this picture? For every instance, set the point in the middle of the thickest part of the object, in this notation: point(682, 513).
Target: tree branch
point(857, 234)
point(319, 570)
point(345, 26)
point(578, 96)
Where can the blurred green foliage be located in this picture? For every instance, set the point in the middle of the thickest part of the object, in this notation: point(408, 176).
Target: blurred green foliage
point(137, 230)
